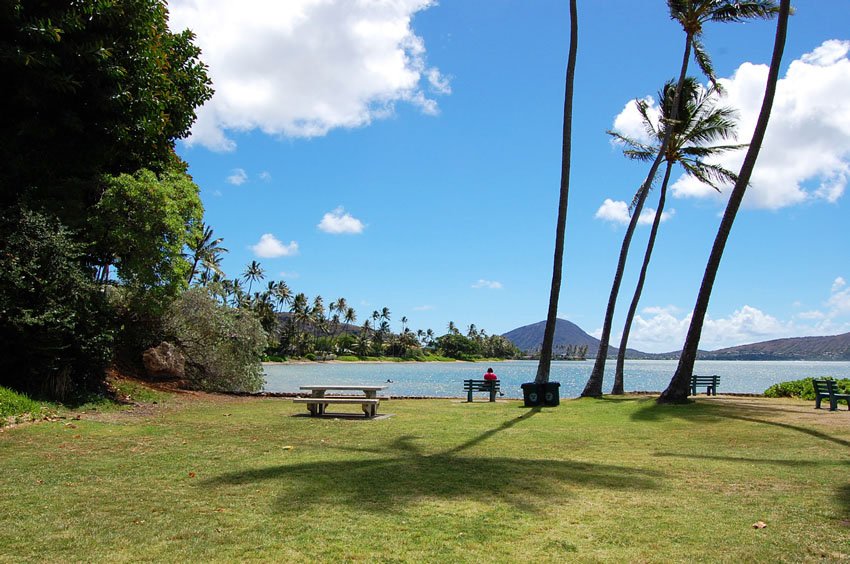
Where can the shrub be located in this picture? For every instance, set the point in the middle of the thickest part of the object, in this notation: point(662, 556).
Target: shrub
point(55, 326)
point(13, 404)
point(223, 345)
point(310, 356)
point(803, 389)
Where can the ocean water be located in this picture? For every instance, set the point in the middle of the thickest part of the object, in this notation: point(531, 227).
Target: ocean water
point(445, 379)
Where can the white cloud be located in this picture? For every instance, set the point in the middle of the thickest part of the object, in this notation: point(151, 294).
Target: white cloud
point(618, 212)
point(271, 247)
point(238, 177)
point(265, 176)
point(423, 308)
point(806, 151)
point(289, 275)
point(303, 67)
point(490, 284)
point(339, 222)
point(663, 331)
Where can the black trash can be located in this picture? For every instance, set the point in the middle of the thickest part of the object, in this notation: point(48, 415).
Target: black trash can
point(550, 393)
point(531, 394)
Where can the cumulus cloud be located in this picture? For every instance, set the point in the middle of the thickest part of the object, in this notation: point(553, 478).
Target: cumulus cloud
point(663, 329)
point(300, 68)
point(490, 284)
point(237, 177)
point(618, 212)
point(270, 246)
point(339, 222)
point(806, 151)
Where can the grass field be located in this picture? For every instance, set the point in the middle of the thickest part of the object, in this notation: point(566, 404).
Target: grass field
point(214, 478)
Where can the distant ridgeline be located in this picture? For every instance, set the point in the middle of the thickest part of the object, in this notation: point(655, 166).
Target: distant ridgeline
point(571, 341)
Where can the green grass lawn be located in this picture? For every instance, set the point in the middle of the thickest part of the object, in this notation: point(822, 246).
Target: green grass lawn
point(206, 478)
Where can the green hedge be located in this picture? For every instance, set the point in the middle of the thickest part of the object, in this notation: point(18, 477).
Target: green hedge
point(803, 389)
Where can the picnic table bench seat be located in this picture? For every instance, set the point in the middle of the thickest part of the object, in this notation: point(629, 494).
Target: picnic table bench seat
point(490, 386)
point(710, 383)
point(828, 389)
point(318, 405)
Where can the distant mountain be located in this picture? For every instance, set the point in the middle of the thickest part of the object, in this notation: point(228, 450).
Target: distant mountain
point(834, 347)
point(530, 338)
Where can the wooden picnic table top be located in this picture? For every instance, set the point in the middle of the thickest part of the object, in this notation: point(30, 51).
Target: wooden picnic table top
point(364, 387)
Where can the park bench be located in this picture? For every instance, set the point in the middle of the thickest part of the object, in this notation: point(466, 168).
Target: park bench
point(828, 389)
point(490, 386)
point(710, 383)
point(317, 406)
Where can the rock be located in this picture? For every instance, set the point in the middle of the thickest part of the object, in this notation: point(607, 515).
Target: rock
point(164, 361)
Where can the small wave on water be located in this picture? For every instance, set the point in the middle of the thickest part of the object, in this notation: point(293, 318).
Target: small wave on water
point(445, 379)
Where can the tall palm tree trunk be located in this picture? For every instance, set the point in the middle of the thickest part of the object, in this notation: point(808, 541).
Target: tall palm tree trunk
point(677, 390)
point(593, 388)
point(544, 365)
point(617, 389)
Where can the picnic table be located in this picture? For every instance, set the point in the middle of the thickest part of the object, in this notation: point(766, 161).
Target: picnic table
point(318, 401)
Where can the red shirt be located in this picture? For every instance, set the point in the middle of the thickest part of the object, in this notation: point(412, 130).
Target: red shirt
point(490, 376)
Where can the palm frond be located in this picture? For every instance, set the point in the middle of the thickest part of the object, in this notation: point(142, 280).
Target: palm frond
point(738, 11)
point(704, 62)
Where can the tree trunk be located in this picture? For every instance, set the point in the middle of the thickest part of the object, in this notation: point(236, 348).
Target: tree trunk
point(544, 364)
point(593, 388)
point(617, 389)
point(679, 387)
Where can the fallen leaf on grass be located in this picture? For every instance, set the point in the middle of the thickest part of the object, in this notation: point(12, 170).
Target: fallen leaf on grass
point(759, 525)
point(287, 447)
point(70, 425)
point(191, 474)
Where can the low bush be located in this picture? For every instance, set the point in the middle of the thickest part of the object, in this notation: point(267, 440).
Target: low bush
point(14, 404)
point(803, 389)
point(223, 345)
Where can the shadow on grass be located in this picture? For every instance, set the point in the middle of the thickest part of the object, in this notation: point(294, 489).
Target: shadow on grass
point(750, 460)
point(390, 478)
point(843, 495)
point(751, 413)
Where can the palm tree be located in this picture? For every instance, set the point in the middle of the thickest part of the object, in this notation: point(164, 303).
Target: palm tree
point(350, 315)
point(677, 390)
point(700, 122)
point(545, 362)
point(206, 251)
point(253, 273)
point(692, 15)
point(282, 294)
point(404, 323)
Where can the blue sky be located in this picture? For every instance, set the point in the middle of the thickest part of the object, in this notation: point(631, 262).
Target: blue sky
point(406, 155)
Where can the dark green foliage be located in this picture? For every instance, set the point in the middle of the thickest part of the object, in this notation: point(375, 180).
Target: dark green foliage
point(14, 404)
point(457, 346)
point(55, 324)
point(92, 88)
point(803, 388)
point(223, 345)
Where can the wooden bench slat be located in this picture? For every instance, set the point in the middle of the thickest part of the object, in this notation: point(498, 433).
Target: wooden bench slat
point(491, 386)
point(710, 383)
point(828, 389)
point(370, 401)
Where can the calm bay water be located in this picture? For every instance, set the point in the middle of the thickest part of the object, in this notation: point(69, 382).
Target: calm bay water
point(445, 379)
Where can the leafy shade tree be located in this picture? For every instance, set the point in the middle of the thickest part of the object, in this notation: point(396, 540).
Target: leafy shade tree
point(142, 224)
point(97, 88)
point(691, 15)
point(55, 328)
point(701, 123)
point(223, 345)
point(544, 365)
point(679, 387)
